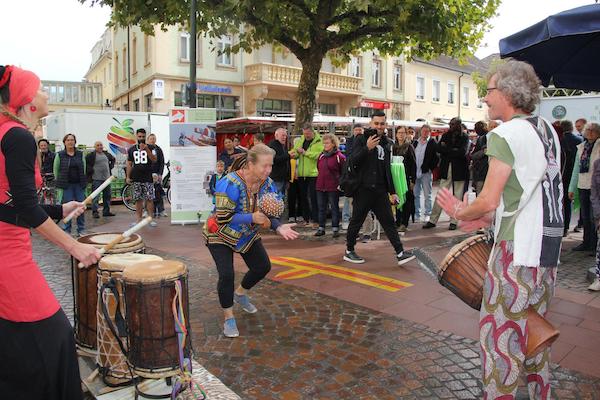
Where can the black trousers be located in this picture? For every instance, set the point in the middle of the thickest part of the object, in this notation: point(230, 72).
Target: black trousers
point(39, 360)
point(294, 203)
point(256, 259)
point(308, 197)
point(408, 209)
point(366, 200)
point(590, 235)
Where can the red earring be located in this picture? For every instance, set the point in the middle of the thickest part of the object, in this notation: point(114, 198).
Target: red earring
point(33, 108)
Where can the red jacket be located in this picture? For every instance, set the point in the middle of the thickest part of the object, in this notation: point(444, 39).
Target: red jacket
point(330, 171)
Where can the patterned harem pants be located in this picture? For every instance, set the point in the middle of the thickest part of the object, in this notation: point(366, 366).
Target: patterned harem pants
point(507, 293)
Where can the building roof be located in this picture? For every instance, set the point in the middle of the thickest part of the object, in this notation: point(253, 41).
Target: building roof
point(473, 63)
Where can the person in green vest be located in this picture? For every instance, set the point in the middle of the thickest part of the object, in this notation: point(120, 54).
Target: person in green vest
point(307, 150)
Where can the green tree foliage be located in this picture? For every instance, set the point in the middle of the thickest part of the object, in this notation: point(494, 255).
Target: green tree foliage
point(314, 29)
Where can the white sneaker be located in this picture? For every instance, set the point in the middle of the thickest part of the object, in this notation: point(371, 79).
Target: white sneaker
point(345, 225)
point(153, 224)
point(164, 214)
point(595, 287)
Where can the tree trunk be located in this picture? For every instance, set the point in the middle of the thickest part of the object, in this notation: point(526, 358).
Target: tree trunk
point(307, 89)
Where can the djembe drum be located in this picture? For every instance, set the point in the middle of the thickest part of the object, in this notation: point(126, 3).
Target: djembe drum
point(85, 285)
point(271, 205)
point(463, 272)
point(111, 359)
point(150, 289)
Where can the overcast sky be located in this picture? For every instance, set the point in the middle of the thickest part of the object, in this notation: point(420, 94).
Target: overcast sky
point(54, 38)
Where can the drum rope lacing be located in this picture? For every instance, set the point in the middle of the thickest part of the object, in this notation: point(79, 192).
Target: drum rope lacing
point(185, 364)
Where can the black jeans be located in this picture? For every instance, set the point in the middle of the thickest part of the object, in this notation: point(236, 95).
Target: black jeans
point(39, 360)
point(308, 198)
point(408, 208)
point(366, 200)
point(590, 235)
point(294, 203)
point(106, 195)
point(333, 199)
point(256, 259)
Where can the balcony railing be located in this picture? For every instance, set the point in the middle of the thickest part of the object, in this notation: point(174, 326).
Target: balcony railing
point(290, 76)
point(74, 93)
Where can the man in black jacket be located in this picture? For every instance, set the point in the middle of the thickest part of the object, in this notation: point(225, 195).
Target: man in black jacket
point(371, 156)
point(99, 164)
point(569, 144)
point(281, 162)
point(46, 157)
point(480, 163)
point(427, 159)
point(454, 169)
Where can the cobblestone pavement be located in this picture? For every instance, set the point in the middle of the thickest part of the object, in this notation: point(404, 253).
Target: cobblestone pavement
point(304, 345)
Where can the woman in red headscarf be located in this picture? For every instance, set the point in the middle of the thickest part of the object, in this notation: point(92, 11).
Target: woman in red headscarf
point(37, 347)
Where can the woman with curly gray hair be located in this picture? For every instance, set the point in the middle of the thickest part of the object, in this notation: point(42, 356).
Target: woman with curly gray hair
point(523, 188)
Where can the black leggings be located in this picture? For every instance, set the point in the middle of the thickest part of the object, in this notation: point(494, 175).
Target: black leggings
point(256, 259)
point(39, 360)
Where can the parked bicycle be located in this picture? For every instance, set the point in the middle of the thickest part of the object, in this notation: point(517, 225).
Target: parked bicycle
point(127, 192)
point(46, 194)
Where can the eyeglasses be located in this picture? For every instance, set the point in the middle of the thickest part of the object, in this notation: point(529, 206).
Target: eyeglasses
point(488, 90)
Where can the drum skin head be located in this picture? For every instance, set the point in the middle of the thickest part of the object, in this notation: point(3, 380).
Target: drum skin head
point(118, 262)
point(154, 271)
point(457, 249)
point(101, 239)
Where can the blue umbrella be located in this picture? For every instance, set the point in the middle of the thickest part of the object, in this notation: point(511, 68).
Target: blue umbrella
point(564, 48)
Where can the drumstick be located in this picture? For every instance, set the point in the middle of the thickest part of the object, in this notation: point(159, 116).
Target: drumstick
point(91, 197)
point(122, 236)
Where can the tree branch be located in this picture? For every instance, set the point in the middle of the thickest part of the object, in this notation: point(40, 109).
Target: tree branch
point(356, 14)
point(283, 36)
point(338, 40)
point(301, 5)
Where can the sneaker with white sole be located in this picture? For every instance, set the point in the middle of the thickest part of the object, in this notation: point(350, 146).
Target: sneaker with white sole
point(595, 286)
point(164, 214)
point(353, 258)
point(153, 224)
point(244, 301)
point(345, 225)
point(230, 328)
point(404, 256)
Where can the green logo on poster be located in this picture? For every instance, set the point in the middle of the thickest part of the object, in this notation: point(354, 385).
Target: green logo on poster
point(559, 112)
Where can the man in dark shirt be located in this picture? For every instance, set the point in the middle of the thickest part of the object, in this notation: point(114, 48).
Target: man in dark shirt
point(371, 156)
point(46, 158)
point(281, 161)
point(230, 153)
point(568, 145)
point(454, 169)
point(139, 174)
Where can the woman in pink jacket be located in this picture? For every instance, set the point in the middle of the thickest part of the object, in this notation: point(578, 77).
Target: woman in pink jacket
point(329, 165)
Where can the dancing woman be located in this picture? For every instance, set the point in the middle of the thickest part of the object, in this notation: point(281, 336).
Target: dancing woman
point(37, 347)
point(235, 229)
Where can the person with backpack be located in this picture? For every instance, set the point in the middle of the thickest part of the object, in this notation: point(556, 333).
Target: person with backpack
point(330, 167)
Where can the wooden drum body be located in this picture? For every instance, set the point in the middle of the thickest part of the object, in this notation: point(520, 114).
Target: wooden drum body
point(463, 272)
point(85, 285)
point(149, 290)
point(111, 359)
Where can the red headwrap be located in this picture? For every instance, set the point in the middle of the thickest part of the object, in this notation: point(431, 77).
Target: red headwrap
point(22, 85)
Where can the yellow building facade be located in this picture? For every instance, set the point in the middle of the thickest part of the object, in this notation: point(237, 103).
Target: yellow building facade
point(150, 72)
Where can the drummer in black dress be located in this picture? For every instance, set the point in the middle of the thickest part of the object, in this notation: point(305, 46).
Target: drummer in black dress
point(38, 359)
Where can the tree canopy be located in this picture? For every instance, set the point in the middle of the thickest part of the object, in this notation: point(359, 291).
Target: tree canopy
point(313, 29)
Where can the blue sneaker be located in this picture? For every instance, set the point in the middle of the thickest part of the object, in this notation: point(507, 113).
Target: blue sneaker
point(230, 328)
point(244, 301)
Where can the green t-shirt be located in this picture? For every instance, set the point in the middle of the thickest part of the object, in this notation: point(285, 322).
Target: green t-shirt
point(498, 148)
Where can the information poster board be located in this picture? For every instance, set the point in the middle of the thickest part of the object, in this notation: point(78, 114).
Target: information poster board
point(192, 135)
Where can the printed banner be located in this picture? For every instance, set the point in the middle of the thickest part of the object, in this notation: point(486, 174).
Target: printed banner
point(192, 135)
